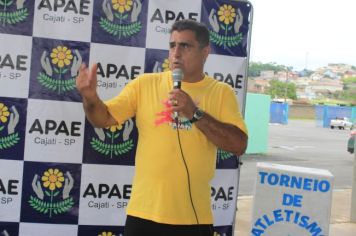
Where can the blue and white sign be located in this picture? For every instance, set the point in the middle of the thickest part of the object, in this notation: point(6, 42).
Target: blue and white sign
point(291, 200)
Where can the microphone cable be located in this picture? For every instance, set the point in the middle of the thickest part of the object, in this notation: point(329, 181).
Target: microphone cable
point(187, 171)
point(188, 177)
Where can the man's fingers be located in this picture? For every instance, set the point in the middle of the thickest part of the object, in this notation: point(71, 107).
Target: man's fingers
point(93, 71)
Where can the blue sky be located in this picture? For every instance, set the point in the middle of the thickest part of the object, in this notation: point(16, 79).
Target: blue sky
point(304, 33)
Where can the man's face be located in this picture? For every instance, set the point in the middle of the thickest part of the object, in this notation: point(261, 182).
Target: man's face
point(186, 53)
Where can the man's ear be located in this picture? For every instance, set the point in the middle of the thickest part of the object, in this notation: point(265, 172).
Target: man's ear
point(206, 52)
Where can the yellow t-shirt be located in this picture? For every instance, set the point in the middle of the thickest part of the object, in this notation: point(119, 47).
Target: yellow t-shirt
point(160, 189)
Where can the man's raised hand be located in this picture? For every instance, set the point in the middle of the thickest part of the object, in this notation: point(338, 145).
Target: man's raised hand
point(86, 81)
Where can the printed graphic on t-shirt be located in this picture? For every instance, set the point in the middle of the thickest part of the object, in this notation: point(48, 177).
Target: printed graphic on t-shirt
point(169, 117)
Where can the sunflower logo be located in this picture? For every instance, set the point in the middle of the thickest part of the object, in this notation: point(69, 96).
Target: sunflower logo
point(108, 142)
point(13, 137)
point(228, 19)
point(165, 65)
point(226, 14)
point(121, 17)
point(61, 56)
point(217, 234)
point(114, 134)
point(4, 114)
point(49, 186)
point(60, 61)
point(52, 179)
point(106, 234)
point(114, 128)
point(122, 5)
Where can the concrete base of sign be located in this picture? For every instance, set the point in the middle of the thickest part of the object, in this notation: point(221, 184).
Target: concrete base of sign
point(291, 200)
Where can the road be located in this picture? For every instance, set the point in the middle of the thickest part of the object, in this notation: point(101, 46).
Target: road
point(302, 143)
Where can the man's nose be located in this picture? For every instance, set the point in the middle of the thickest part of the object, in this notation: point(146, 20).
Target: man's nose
point(177, 51)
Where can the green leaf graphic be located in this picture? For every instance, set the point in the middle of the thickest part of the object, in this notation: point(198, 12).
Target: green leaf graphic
point(116, 29)
point(117, 149)
point(230, 41)
point(13, 17)
point(53, 84)
point(57, 207)
point(9, 141)
point(223, 155)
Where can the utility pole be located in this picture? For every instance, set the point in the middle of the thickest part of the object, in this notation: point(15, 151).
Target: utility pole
point(353, 194)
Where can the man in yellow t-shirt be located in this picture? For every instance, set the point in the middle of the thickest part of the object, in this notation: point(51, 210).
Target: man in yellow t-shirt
point(179, 132)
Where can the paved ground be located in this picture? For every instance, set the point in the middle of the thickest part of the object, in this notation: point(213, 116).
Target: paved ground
point(302, 143)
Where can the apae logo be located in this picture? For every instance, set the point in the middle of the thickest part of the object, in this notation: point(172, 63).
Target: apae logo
point(227, 22)
point(217, 234)
point(121, 17)
point(223, 155)
point(55, 69)
point(53, 195)
point(80, 9)
point(5, 233)
point(107, 142)
point(108, 233)
point(12, 17)
point(161, 66)
point(8, 122)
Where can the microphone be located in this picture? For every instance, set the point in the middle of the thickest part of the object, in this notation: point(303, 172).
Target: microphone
point(177, 75)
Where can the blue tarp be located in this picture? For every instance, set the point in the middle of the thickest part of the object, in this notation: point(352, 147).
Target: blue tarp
point(279, 113)
point(326, 113)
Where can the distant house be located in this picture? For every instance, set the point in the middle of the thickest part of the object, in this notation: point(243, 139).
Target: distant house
point(332, 75)
point(325, 86)
point(349, 73)
point(306, 93)
point(267, 74)
point(285, 76)
point(303, 89)
point(257, 85)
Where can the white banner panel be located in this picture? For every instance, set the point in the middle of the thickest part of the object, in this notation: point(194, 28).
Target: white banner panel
point(230, 70)
point(72, 20)
point(10, 190)
point(223, 196)
point(54, 131)
point(104, 195)
point(27, 229)
point(161, 16)
point(15, 58)
point(117, 66)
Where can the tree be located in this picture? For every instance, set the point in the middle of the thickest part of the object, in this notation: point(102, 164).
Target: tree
point(280, 89)
point(255, 68)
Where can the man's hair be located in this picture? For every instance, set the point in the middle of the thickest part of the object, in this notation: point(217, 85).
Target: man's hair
point(200, 30)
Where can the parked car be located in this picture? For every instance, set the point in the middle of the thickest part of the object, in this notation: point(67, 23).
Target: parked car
point(351, 141)
point(341, 123)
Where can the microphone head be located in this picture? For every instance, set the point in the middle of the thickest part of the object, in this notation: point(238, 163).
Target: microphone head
point(177, 75)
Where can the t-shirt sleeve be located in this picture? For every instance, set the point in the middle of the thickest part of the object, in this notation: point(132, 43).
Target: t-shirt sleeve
point(124, 105)
point(230, 109)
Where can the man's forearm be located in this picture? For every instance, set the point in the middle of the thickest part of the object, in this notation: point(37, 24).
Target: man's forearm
point(97, 113)
point(225, 136)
